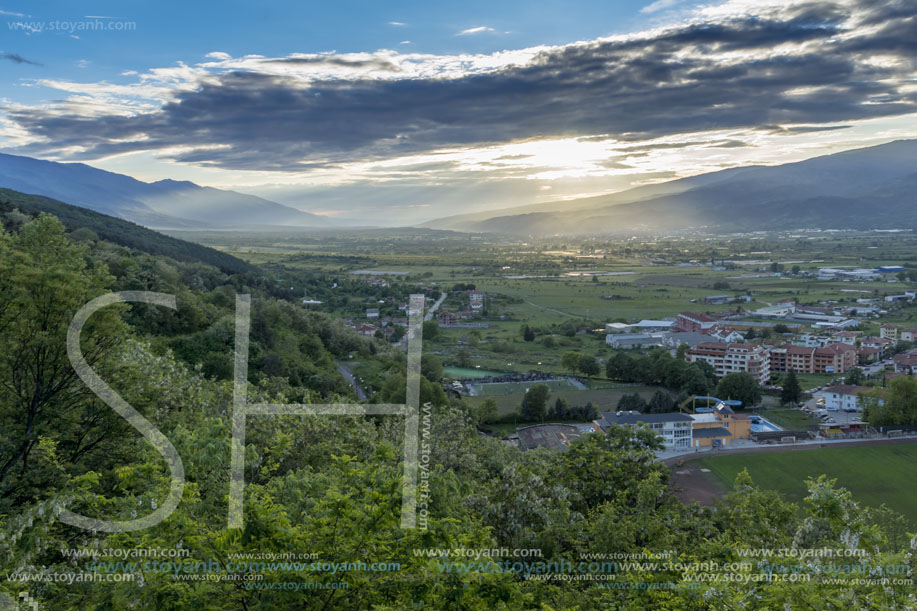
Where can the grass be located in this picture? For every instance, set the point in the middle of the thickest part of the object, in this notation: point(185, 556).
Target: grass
point(790, 419)
point(874, 474)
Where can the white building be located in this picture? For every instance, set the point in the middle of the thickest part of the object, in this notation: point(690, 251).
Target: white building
point(843, 397)
point(732, 358)
point(674, 428)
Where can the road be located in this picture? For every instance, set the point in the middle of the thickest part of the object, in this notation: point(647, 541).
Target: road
point(434, 307)
point(342, 369)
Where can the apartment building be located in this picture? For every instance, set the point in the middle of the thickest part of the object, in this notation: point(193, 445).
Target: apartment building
point(732, 358)
point(833, 358)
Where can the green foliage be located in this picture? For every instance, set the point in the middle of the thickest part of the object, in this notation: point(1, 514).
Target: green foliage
point(896, 405)
point(792, 390)
point(740, 386)
point(534, 403)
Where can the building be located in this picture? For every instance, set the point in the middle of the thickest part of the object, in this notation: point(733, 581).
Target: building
point(889, 269)
point(372, 313)
point(651, 326)
point(889, 331)
point(843, 397)
point(551, 436)
point(908, 335)
point(367, 330)
point(616, 327)
point(476, 300)
point(907, 296)
point(906, 362)
point(720, 427)
point(832, 358)
point(690, 338)
point(689, 321)
point(673, 427)
point(731, 358)
point(634, 340)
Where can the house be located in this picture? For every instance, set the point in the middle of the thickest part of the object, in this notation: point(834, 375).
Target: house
point(717, 299)
point(867, 355)
point(689, 321)
point(366, 329)
point(674, 428)
point(677, 338)
point(882, 344)
point(889, 331)
point(908, 335)
point(846, 337)
point(843, 397)
point(730, 358)
point(720, 427)
point(906, 362)
point(372, 313)
point(726, 334)
point(476, 299)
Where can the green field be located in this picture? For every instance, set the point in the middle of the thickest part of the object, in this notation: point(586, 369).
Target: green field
point(790, 419)
point(875, 474)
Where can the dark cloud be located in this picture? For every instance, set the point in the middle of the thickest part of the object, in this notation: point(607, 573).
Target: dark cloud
point(375, 63)
point(15, 57)
point(676, 82)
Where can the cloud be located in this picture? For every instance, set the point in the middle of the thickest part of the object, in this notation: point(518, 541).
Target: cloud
point(791, 67)
point(659, 5)
point(397, 24)
point(15, 57)
point(219, 55)
point(405, 42)
point(478, 30)
point(11, 13)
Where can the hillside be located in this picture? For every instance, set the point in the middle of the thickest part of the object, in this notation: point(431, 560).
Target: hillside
point(870, 188)
point(122, 232)
point(166, 204)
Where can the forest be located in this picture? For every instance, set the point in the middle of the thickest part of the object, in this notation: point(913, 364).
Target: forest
point(593, 527)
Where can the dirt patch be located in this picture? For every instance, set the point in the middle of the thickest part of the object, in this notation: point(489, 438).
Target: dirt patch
point(689, 484)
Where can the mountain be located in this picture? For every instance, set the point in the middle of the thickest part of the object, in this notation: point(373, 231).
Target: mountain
point(868, 188)
point(122, 232)
point(166, 204)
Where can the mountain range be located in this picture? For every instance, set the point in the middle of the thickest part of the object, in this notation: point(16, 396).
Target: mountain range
point(868, 188)
point(165, 204)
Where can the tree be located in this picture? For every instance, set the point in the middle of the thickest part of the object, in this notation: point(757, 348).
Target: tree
point(660, 402)
point(618, 367)
point(534, 403)
point(694, 382)
point(487, 411)
point(588, 365)
point(680, 352)
point(527, 334)
point(750, 334)
point(780, 328)
point(430, 329)
point(740, 386)
point(854, 377)
point(895, 406)
point(45, 280)
point(792, 391)
point(431, 367)
point(570, 361)
point(631, 402)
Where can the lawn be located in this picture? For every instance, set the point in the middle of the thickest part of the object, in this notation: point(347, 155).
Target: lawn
point(875, 474)
point(790, 419)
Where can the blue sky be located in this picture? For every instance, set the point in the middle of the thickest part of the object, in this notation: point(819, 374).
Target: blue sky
point(403, 112)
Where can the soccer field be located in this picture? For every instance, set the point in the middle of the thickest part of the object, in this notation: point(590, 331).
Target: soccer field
point(875, 474)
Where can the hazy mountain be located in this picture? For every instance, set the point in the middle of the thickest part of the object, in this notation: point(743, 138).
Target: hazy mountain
point(121, 232)
point(869, 188)
point(166, 204)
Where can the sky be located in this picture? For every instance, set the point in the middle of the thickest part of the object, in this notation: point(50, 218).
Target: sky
point(399, 113)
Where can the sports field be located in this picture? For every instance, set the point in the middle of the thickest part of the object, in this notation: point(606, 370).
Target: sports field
point(875, 474)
